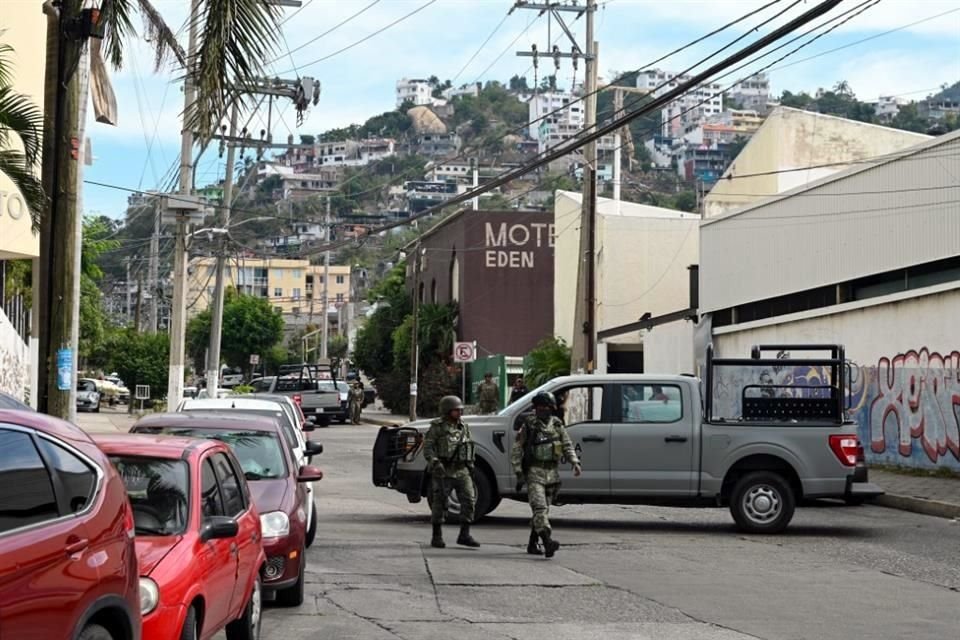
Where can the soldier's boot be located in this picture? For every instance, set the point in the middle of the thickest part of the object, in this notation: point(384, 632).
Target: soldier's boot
point(533, 546)
point(437, 540)
point(550, 545)
point(465, 538)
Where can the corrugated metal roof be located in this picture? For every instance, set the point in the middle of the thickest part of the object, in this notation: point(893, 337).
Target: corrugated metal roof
point(900, 211)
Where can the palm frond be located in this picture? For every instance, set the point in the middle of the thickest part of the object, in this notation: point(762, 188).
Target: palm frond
point(235, 38)
point(163, 38)
point(116, 17)
point(18, 115)
point(14, 165)
point(6, 75)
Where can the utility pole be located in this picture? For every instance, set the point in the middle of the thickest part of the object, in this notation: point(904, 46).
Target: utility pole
point(584, 342)
point(136, 318)
point(326, 283)
point(216, 323)
point(414, 346)
point(127, 285)
point(178, 306)
point(154, 277)
point(69, 25)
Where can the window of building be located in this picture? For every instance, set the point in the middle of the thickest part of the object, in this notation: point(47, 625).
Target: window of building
point(339, 297)
point(277, 292)
point(20, 467)
point(339, 279)
point(296, 293)
point(297, 274)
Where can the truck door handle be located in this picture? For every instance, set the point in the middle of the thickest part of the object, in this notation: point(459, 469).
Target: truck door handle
point(675, 439)
point(76, 545)
point(593, 439)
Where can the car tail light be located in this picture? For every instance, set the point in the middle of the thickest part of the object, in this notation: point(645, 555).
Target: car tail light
point(298, 399)
point(847, 449)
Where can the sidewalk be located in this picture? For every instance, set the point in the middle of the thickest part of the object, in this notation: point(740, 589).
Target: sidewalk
point(107, 421)
point(932, 496)
point(382, 417)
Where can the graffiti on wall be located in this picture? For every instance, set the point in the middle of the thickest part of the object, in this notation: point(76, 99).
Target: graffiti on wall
point(14, 361)
point(907, 407)
point(917, 399)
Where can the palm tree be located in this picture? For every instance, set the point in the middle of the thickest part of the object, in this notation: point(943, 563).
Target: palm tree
point(21, 124)
point(234, 40)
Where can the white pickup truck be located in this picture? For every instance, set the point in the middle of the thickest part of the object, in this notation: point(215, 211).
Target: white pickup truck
point(656, 440)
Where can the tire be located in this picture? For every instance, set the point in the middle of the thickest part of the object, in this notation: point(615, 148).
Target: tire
point(293, 596)
point(96, 409)
point(247, 626)
point(762, 502)
point(94, 632)
point(312, 529)
point(486, 502)
point(189, 631)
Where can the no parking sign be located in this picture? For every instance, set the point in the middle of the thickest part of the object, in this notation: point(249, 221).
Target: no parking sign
point(464, 352)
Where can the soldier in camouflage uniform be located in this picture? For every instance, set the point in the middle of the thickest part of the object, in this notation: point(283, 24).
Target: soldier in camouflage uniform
point(489, 395)
point(448, 451)
point(540, 445)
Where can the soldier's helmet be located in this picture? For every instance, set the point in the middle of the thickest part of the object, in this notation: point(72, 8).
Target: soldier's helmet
point(545, 399)
point(450, 403)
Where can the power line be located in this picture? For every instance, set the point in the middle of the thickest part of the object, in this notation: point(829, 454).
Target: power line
point(292, 15)
point(325, 33)
point(367, 37)
point(477, 52)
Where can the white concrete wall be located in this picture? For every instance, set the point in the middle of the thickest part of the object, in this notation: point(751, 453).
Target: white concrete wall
point(668, 349)
point(870, 329)
point(643, 255)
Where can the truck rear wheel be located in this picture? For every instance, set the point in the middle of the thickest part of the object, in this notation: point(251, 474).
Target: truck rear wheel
point(762, 502)
point(485, 504)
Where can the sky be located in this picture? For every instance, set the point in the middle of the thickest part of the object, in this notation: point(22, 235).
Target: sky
point(440, 39)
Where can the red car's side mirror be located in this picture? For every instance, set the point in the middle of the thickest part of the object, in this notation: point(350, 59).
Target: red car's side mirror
point(309, 473)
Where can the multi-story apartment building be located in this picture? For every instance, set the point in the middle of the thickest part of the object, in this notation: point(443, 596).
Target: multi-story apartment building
point(416, 90)
point(554, 128)
point(292, 286)
point(753, 93)
point(690, 109)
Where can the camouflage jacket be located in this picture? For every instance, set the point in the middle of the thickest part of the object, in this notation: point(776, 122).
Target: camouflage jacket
point(539, 448)
point(448, 443)
point(489, 396)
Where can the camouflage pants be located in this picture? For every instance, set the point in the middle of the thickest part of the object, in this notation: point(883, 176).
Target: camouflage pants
point(460, 481)
point(355, 409)
point(541, 496)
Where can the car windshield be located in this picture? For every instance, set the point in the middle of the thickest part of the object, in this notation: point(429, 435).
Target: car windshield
point(158, 490)
point(259, 452)
point(86, 385)
point(286, 424)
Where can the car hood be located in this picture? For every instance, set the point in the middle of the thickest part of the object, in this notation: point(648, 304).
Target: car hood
point(269, 495)
point(151, 550)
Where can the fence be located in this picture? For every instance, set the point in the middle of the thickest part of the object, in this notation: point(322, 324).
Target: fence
point(14, 358)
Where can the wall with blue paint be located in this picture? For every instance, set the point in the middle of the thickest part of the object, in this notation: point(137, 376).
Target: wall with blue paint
point(907, 407)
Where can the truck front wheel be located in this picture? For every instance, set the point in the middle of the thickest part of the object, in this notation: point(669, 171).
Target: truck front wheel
point(762, 502)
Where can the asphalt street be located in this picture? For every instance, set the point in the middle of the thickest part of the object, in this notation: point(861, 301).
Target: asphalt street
point(623, 572)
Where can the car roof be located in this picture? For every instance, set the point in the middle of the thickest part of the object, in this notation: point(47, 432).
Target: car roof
point(42, 422)
point(150, 445)
point(232, 402)
point(275, 398)
point(210, 420)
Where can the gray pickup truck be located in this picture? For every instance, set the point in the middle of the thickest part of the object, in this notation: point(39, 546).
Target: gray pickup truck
point(748, 441)
point(312, 387)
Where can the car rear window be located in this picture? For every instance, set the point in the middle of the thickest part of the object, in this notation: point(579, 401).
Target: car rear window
point(258, 452)
point(158, 490)
point(286, 425)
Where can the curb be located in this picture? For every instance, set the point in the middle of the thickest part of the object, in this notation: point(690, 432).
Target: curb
point(914, 504)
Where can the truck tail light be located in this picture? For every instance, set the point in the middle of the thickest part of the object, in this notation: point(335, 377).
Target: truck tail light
point(298, 399)
point(847, 449)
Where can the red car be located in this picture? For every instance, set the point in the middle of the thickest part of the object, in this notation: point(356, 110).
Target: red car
point(68, 568)
point(277, 486)
point(198, 536)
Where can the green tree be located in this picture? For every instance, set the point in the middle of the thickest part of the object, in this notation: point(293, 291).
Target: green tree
point(140, 358)
point(518, 84)
point(250, 326)
point(97, 241)
point(550, 359)
point(909, 119)
point(21, 125)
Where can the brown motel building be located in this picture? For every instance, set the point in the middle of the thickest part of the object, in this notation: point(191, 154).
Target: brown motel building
point(499, 266)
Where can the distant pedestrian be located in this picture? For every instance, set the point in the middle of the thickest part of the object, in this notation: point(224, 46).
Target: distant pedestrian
point(519, 390)
point(540, 445)
point(448, 451)
point(489, 395)
point(356, 401)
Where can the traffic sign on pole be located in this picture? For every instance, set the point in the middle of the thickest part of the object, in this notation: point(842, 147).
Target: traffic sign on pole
point(464, 352)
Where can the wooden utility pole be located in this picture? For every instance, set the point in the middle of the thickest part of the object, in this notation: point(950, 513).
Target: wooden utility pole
point(414, 334)
point(59, 241)
point(139, 310)
point(153, 278)
point(326, 284)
